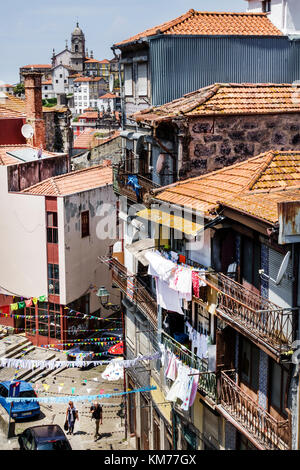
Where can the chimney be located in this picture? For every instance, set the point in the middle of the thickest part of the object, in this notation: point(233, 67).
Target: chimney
point(34, 107)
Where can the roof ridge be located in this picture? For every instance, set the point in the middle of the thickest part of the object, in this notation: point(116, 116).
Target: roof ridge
point(270, 156)
point(56, 189)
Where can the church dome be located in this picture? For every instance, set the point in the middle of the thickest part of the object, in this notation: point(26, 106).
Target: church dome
point(77, 31)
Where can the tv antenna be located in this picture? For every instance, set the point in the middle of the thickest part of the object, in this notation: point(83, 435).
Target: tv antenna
point(281, 272)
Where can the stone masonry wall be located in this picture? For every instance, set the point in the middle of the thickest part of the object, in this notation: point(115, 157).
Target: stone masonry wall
point(222, 141)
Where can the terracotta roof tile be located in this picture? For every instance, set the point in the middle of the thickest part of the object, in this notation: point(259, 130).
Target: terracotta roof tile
point(37, 66)
point(228, 99)
point(213, 23)
point(74, 182)
point(5, 150)
point(88, 139)
point(251, 182)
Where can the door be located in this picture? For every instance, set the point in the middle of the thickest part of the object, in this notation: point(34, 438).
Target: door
point(225, 348)
point(250, 264)
point(249, 368)
point(145, 421)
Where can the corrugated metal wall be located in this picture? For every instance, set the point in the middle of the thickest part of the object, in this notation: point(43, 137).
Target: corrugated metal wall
point(183, 64)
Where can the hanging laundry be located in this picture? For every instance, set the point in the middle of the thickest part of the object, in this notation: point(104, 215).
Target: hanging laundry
point(159, 266)
point(171, 372)
point(167, 298)
point(181, 281)
point(178, 389)
point(195, 282)
point(194, 386)
point(186, 401)
point(114, 371)
point(201, 278)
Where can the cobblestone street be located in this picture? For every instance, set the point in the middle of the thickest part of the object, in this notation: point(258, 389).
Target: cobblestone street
point(112, 431)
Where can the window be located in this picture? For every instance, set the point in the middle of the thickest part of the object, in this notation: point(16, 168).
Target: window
point(52, 230)
point(249, 364)
point(85, 224)
point(278, 384)
point(128, 80)
point(53, 279)
point(60, 75)
point(30, 327)
point(251, 262)
point(54, 317)
point(46, 88)
point(266, 6)
point(142, 80)
point(56, 81)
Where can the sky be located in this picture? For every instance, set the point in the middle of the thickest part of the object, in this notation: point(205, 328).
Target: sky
point(30, 30)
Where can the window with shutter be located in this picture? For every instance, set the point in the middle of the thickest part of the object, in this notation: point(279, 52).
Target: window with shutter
point(128, 80)
point(142, 80)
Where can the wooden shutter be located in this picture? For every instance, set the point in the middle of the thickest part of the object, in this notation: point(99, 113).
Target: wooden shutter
point(225, 354)
point(142, 80)
point(128, 80)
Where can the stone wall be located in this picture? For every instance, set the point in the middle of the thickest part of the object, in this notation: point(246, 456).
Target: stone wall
point(222, 141)
point(59, 135)
point(110, 150)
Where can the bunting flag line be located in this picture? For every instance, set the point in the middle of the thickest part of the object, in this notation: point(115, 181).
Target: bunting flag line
point(32, 363)
point(102, 341)
point(73, 398)
point(68, 330)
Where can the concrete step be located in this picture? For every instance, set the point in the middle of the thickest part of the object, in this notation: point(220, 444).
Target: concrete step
point(28, 374)
point(13, 342)
point(19, 352)
point(48, 373)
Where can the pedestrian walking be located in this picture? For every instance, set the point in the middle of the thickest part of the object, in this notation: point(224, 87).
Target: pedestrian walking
point(71, 416)
point(96, 410)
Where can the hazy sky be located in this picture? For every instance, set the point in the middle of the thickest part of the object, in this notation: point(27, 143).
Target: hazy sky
point(31, 29)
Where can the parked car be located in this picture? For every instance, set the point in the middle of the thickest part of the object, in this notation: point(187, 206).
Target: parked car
point(20, 410)
point(44, 437)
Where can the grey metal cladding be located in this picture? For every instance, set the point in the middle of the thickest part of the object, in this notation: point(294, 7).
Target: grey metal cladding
point(181, 64)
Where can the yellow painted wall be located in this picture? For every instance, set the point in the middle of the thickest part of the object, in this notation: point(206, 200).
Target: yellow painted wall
point(158, 397)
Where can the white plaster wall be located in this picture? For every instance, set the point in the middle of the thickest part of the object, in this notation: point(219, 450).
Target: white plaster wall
point(200, 251)
point(81, 266)
point(23, 242)
point(61, 86)
point(104, 103)
point(285, 14)
point(64, 58)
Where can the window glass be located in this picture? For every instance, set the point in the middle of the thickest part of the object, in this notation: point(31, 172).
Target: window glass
point(85, 224)
point(245, 362)
point(276, 385)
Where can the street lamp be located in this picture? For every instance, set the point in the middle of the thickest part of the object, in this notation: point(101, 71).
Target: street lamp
point(103, 295)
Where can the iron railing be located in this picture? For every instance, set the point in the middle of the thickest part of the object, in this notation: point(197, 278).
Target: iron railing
point(120, 179)
point(269, 433)
point(137, 292)
point(207, 380)
point(246, 310)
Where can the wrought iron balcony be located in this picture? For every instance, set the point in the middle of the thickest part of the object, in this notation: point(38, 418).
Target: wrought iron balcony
point(135, 290)
point(122, 188)
point(266, 324)
point(255, 422)
point(207, 380)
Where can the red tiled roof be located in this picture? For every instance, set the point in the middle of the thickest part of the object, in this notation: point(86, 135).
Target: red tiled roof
point(87, 139)
point(238, 185)
point(228, 98)
point(88, 79)
point(213, 23)
point(74, 182)
point(107, 96)
point(14, 104)
point(47, 82)
point(92, 61)
point(37, 66)
point(89, 115)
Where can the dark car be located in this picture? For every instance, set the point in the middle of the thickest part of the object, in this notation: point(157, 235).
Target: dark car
point(46, 437)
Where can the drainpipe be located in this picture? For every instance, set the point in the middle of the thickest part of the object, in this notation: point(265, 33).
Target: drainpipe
point(180, 154)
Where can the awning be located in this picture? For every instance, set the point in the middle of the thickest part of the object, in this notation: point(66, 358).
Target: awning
point(172, 221)
point(139, 248)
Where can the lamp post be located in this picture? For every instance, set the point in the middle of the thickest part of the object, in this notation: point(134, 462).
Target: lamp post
point(103, 295)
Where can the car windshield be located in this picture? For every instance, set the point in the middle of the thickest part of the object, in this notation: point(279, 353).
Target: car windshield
point(27, 394)
point(54, 445)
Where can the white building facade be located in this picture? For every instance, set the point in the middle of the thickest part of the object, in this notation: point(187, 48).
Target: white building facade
point(284, 14)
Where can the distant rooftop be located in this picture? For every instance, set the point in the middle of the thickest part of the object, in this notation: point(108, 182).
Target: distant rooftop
point(12, 154)
point(74, 182)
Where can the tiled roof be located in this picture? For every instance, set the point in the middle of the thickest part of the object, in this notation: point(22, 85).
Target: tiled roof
point(13, 103)
point(92, 61)
point(89, 115)
point(5, 150)
point(10, 114)
point(37, 66)
point(74, 182)
point(107, 96)
point(228, 98)
point(47, 82)
point(213, 23)
point(87, 139)
point(88, 79)
point(252, 180)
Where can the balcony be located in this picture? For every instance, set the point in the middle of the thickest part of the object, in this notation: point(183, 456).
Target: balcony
point(120, 179)
point(135, 290)
point(266, 324)
point(207, 380)
point(256, 423)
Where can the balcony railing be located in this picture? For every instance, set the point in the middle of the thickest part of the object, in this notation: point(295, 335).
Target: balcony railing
point(266, 431)
point(122, 188)
point(135, 290)
point(207, 380)
point(252, 314)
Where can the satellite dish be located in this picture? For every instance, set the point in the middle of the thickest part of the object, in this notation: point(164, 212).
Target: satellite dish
point(283, 268)
point(281, 272)
point(27, 131)
point(111, 82)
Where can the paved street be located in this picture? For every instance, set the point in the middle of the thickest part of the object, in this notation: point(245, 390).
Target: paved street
point(112, 432)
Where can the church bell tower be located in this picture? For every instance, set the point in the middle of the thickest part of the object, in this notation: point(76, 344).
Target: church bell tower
point(78, 49)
